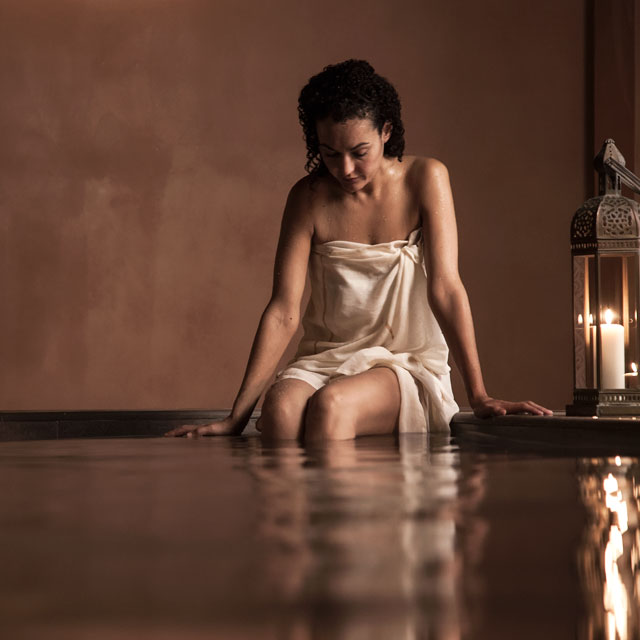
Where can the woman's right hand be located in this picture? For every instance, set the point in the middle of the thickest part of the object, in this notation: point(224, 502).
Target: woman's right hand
point(224, 427)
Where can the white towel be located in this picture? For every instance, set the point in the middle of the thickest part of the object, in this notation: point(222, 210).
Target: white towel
point(369, 307)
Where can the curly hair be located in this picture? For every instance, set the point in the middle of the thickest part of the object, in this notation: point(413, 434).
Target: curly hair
point(349, 89)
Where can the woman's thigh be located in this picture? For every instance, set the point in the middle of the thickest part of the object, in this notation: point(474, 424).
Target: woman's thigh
point(283, 409)
point(366, 403)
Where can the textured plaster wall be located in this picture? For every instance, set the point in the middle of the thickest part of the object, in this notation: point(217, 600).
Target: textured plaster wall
point(148, 147)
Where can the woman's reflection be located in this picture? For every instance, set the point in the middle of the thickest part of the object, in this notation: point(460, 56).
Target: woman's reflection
point(362, 538)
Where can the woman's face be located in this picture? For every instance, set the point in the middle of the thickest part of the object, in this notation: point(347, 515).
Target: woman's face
point(352, 150)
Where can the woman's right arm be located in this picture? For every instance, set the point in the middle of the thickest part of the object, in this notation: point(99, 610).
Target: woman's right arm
point(280, 318)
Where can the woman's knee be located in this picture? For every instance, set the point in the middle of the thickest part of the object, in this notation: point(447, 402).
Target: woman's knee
point(280, 417)
point(328, 415)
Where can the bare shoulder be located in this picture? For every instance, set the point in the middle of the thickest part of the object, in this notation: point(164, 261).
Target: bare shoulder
point(300, 193)
point(423, 172)
point(309, 200)
point(313, 191)
point(298, 212)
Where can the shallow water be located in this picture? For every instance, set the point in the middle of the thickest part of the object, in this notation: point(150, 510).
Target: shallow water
point(377, 538)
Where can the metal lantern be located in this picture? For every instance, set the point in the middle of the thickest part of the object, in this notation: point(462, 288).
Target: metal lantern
point(605, 252)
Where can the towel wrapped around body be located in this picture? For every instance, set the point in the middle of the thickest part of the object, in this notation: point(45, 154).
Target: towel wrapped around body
point(369, 308)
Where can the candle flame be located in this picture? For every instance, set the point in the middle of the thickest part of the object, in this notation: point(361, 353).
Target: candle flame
point(608, 316)
point(580, 318)
point(634, 367)
point(591, 318)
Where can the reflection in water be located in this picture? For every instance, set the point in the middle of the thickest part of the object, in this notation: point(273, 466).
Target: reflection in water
point(609, 555)
point(373, 538)
point(360, 546)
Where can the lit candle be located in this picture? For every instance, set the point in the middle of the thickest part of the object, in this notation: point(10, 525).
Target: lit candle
point(632, 378)
point(612, 359)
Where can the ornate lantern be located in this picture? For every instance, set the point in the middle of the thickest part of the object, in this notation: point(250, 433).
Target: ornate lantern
point(605, 251)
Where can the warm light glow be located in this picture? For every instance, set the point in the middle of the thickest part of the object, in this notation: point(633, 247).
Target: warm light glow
point(591, 318)
point(580, 320)
point(608, 316)
point(615, 594)
point(615, 598)
point(610, 485)
point(611, 561)
point(634, 367)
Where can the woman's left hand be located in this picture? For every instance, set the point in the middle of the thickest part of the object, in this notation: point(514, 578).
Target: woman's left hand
point(488, 407)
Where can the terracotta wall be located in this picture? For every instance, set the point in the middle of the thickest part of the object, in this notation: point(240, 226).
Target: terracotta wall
point(148, 147)
point(616, 77)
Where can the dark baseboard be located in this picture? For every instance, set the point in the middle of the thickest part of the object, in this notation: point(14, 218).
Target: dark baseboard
point(54, 425)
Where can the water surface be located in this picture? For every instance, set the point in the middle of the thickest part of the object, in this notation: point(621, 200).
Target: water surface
point(374, 538)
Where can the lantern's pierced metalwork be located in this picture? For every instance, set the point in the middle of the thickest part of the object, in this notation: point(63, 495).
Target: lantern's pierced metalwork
point(605, 252)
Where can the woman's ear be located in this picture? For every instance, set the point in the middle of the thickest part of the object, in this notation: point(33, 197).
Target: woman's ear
point(387, 128)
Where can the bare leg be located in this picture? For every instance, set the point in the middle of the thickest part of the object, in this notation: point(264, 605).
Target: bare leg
point(283, 409)
point(367, 403)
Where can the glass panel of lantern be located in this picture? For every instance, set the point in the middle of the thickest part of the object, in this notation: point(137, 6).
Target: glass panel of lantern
point(585, 313)
point(606, 330)
point(618, 320)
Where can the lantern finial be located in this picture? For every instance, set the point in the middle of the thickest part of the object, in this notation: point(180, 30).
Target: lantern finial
point(608, 178)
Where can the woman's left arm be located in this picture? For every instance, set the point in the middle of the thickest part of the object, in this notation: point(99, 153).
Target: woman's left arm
point(447, 295)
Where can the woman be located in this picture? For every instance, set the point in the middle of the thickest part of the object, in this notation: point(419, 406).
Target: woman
point(373, 358)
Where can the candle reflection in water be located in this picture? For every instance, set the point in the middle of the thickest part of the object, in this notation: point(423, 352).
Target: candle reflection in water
point(609, 559)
